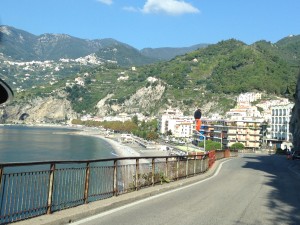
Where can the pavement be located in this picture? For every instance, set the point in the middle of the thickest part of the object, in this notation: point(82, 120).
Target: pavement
point(83, 211)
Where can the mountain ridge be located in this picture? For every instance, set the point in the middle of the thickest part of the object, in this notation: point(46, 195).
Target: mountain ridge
point(24, 46)
point(209, 77)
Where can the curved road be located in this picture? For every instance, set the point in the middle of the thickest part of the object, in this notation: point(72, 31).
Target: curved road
point(250, 189)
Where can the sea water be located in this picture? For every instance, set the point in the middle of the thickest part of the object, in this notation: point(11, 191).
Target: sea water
point(28, 144)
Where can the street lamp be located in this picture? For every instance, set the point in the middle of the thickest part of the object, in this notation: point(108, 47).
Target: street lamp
point(204, 137)
point(187, 143)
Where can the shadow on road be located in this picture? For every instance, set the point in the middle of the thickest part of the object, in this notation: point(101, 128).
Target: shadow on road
point(283, 176)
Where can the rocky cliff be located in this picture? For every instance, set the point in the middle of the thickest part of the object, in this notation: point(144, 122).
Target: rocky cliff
point(40, 110)
point(143, 100)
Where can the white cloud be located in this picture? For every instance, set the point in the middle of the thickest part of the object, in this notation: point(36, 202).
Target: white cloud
point(107, 2)
point(130, 9)
point(173, 7)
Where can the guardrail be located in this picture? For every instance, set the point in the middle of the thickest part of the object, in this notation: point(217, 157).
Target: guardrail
point(36, 188)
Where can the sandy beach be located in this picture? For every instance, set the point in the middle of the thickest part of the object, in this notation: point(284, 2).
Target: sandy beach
point(122, 149)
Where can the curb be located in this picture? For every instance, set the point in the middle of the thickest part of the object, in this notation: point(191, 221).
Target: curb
point(83, 211)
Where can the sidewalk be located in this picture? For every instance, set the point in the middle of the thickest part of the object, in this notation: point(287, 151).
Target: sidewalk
point(83, 211)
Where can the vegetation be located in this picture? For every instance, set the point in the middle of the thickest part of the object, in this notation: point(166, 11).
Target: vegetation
point(215, 74)
point(237, 146)
point(210, 145)
point(145, 130)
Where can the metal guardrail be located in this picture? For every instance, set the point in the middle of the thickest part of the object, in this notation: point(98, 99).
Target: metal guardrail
point(37, 188)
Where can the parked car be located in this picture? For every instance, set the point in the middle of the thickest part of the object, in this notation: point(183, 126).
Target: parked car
point(296, 155)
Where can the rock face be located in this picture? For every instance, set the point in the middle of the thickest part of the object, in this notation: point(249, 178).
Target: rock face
point(146, 98)
point(143, 100)
point(295, 118)
point(39, 110)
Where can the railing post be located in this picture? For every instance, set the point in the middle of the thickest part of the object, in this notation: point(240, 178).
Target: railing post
point(167, 163)
point(1, 174)
point(187, 167)
point(195, 164)
point(153, 171)
point(50, 190)
point(201, 161)
point(137, 165)
point(1, 188)
point(177, 168)
point(87, 181)
point(115, 181)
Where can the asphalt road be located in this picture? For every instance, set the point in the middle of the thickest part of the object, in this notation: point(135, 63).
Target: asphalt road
point(250, 189)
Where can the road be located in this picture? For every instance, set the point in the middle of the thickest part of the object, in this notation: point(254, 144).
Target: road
point(250, 189)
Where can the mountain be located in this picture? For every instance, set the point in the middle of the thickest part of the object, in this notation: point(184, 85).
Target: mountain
point(290, 47)
point(23, 46)
point(124, 55)
point(169, 53)
point(210, 78)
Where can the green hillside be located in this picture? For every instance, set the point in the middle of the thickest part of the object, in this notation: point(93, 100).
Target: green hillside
point(214, 75)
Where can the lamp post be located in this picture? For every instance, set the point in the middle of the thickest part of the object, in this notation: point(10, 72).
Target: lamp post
point(204, 137)
point(187, 143)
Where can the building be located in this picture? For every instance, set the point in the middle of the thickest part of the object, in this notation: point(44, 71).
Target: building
point(280, 134)
point(242, 111)
point(173, 121)
point(248, 97)
point(247, 132)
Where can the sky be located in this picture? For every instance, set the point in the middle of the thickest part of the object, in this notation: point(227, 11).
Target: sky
point(157, 23)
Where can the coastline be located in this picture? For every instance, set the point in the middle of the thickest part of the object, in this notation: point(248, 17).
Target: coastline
point(121, 149)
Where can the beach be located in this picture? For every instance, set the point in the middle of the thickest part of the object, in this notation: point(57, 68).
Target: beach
point(121, 149)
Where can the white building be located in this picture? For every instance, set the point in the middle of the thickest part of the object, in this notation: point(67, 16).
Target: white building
point(79, 81)
point(281, 115)
point(243, 111)
point(179, 125)
point(249, 97)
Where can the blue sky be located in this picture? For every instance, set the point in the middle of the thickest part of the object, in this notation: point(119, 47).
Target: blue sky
point(157, 23)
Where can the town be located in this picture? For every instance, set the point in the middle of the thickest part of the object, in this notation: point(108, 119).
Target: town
point(264, 126)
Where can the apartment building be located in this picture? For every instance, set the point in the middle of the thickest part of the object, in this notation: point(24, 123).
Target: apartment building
point(280, 134)
point(247, 132)
point(173, 121)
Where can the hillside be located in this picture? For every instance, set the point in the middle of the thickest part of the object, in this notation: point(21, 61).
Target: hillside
point(169, 53)
point(209, 78)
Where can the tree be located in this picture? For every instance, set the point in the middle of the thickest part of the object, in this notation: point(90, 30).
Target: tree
point(135, 119)
point(151, 135)
point(238, 146)
point(169, 133)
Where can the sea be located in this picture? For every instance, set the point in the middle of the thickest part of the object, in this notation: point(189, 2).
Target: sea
point(35, 144)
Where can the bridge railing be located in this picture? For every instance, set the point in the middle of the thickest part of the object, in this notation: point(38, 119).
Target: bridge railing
point(36, 188)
